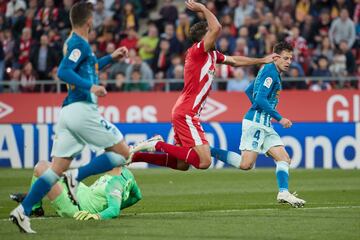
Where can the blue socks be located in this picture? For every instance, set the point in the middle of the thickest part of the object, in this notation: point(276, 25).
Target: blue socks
point(231, 158)
point(102, 163)
point(282, 175)
point(39, 189)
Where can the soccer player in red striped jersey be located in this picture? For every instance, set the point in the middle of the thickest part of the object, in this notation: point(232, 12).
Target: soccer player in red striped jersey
point(191, 144)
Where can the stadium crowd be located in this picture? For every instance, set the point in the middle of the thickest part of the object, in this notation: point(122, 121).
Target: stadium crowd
point(324, 33)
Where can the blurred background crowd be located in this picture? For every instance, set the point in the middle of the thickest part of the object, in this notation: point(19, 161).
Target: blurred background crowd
point(325, 35)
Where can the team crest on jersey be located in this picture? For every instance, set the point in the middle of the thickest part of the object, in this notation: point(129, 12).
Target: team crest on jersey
point(75, 55)
point(268, 81)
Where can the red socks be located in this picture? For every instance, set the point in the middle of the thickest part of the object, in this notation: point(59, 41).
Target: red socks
point(185, 154)
point(159, 159)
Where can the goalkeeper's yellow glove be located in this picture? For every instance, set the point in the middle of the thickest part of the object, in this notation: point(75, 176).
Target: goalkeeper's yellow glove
point(85, 215)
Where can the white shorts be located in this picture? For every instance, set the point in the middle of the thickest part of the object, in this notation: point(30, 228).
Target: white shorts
point(258, 138)
point(79, 124)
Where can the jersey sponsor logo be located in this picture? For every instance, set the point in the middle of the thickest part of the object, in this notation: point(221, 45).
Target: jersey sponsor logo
point(268, 81)
point(75, 55)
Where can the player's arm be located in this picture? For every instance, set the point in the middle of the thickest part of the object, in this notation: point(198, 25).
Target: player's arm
point(66, 71)
point(238, 61)
point(134, 197)
point(114, 196)
point(214, 27)
point(262, 101)
point(250, 91)
point(118, 53)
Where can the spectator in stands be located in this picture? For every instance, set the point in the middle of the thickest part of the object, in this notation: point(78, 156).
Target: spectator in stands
point(342, 28)
point(2, 65)
point(47, 18)
point(322, 69)
point(179, 75)
point(162, 57)
point(119, 83)
point(169, 34)
point(103, 79)
point(168, 12)
point(350, 59)
point(244, 9)
point(259, 41)
point(302, 10)
point(159, 86)
point(43, 58)
point(137, 83)
point(28, 78)
point(8, 44)
point(14, 83)
point(120, 66)
point(64, 24)
point(131, 39)
point(22, 47)
point(324, 48)
point(183, 27)
point(229, 8)
point(227, 20)
point(148, 43)
point(240, 81)
point(231, 41)
point(12, 7)
point(141, 66)
point(101, 14)
point(309, 30)
point(129, 19)
point(3, 4)
point(338, 66)
point(299, 44)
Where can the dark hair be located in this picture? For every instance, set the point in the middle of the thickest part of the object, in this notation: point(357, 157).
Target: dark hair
point(80, 13)
point(198, 31)
point(283, 46)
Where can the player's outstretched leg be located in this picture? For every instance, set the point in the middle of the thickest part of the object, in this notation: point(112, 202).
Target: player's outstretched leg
point(186, 154)
point(282, 176)
point(229, 157)
point(159, 159)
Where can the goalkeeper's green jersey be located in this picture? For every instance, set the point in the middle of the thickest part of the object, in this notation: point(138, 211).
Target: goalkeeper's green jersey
point(109, 194)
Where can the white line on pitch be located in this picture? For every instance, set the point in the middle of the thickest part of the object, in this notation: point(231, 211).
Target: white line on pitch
point(213, 211)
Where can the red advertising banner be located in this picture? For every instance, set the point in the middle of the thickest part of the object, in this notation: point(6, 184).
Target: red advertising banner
point(298, 106)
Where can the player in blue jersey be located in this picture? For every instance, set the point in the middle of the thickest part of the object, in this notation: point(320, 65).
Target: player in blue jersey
point(258, 135)
point(80, 122)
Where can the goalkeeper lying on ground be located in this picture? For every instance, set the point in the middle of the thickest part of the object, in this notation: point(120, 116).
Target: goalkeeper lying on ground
point(104, 199)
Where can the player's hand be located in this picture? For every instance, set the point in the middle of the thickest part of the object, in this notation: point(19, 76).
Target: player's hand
point(194, 6)
point(286, 123)
point(270, 58)
point(120, 53)
point(99, 91)
point(85, 215)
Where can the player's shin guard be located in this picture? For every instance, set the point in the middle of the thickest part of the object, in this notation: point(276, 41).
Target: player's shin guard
point(159, 159)
point(229, 157)
point(39, 189)
point(38, 204)
point(185, 154)
point(102, 163)
point(282, 175)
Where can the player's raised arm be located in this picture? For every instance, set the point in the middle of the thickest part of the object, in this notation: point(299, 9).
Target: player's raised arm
point(117, 54)
point(238, 61)
point(214, 27)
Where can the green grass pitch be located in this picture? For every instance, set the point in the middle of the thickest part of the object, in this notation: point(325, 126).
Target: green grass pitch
point(212, 204)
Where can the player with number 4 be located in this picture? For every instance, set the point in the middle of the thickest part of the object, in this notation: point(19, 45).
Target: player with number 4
point(258, 135)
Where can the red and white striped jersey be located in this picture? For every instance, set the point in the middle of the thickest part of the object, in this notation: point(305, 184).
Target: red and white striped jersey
point(199, 71)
